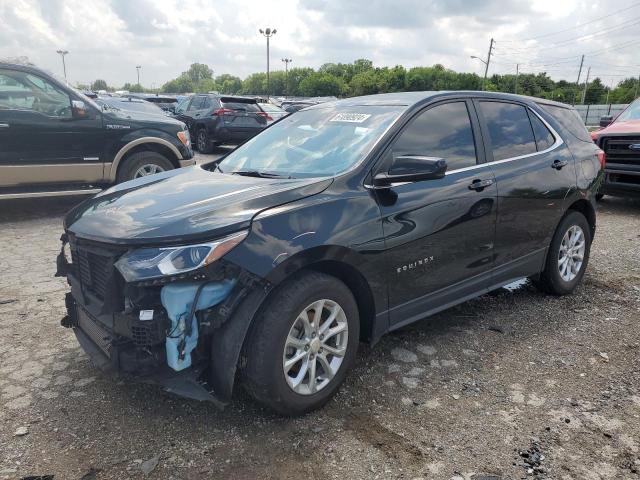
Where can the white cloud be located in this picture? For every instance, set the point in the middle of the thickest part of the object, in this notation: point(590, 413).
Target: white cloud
point(108, 39)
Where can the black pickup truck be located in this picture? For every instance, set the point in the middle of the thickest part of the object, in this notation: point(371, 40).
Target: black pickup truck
point(56, 141)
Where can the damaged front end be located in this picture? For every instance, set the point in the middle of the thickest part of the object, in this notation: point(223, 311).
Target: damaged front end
point(161, 315)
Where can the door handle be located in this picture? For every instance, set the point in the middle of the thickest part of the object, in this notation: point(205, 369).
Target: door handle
point(197, 115)
point(558, 164)
point(4, 125)
point(479, 185)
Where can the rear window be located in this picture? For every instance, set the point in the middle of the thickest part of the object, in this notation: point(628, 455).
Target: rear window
point(509, 129)
point(570, 120)
point(240, 106)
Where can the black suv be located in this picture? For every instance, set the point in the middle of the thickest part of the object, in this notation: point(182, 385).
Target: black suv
point(57, 141)
point(333, 226)
point(215, 120)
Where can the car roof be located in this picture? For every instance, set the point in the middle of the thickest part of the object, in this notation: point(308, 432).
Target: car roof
point(408, 99)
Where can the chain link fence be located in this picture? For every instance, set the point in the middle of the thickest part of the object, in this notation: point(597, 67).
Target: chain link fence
point(591, 113)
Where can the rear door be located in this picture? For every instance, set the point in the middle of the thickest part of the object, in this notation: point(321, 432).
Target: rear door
point(438, 233)
point(242, 118)
point(42, 141)
point(534, 172)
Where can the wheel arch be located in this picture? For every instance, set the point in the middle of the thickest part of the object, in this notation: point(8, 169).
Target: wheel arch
point(145, 144)
point(586, 208)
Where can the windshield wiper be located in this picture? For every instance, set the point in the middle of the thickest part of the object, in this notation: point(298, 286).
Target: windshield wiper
point(259, 174)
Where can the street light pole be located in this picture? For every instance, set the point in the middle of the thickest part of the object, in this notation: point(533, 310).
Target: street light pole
point(286, 61)
point(64, 67)
point(268, 33)
point(138, 67)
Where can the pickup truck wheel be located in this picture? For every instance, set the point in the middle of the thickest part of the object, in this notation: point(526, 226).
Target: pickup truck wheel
point(205, 145)
point(567, 257)
point(304, 341)
point(142, 164)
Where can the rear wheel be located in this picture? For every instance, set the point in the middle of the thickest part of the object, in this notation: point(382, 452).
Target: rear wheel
point(567, 257)
point(204, 143)
point(142, 164)
point(304, 342)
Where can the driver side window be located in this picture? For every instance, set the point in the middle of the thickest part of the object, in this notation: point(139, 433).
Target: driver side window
point(48, 99)
point(443, 131)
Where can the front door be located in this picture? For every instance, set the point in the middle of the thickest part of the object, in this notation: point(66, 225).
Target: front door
point(42, 141)
point(439, 234)
point(535, 173)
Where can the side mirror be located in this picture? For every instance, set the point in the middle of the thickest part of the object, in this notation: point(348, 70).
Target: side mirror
point(79, 109)
point(606, 120)
point(411, 168)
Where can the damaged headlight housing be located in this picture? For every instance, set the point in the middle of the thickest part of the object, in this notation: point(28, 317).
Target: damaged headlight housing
point(147, 263)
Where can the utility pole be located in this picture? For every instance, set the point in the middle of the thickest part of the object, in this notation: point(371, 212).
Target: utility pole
point(635, 95)
point(578, 80)
point(609, 91)
point(286, 61)
point(586, 84)
point(64, 67)
point(268, 33)
point(517, 72)
point(138, 67)
point(486, 65)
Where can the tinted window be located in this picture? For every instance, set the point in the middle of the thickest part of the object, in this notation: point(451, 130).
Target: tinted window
point(509, 129)
point(544, 138)
point(240, 106)
point(443, 131)
point(570, 120)
point(182, 105)
point(195, 104)
point(206, 103)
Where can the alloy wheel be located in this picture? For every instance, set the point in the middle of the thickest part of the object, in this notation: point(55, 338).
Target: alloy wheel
point(315, 347)
point(148, 169)
point(571, 254)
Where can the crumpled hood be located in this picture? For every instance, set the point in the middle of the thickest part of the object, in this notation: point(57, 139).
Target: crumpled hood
point(182, 205)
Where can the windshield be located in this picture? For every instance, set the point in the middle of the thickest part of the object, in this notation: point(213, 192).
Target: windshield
point(318, 142)
point(631, 113)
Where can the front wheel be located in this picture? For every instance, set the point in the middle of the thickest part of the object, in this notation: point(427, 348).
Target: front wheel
point(567, 257)
point(142, 164)
point(302, 345)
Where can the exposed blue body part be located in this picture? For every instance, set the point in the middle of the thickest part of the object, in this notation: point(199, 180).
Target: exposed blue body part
point(177, 299)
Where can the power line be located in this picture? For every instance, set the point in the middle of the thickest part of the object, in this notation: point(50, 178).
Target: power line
point(577, 26)
point(624, 25)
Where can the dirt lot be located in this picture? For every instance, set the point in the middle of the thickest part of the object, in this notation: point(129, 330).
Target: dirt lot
point(511, 385)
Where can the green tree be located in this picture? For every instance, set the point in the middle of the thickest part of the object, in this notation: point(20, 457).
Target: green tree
point(99, 85)
point(198, 72)
point(321, 85)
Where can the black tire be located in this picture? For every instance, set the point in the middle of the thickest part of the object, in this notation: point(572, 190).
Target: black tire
point(203, 142)
point(263, 375)
point(550, 279)
point(599, 196)
point(130, 165)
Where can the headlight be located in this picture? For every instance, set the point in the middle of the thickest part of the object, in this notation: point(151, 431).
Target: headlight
point(184, 137)
point(148, 263)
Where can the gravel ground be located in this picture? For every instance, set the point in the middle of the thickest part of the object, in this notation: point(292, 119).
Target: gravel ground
point(511, 385)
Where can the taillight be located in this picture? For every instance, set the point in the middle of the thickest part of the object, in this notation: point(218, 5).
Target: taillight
point(221, 111)
point(602, 158)
point(265, 115)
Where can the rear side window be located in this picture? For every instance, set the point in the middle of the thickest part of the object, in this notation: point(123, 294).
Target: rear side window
point(240, 106)
point(206, 103)
point(570, 120)
point(544, 138)
point(509, 129)
point(196, 104)
point(443, 131)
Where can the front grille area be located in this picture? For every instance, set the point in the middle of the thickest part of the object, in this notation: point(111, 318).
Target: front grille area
point(620, 153)
point(94, 267)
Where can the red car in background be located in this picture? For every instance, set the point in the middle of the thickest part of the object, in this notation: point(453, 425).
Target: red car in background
point(620, 141)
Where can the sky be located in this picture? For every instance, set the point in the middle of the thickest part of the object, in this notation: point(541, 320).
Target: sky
point(106, 39)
